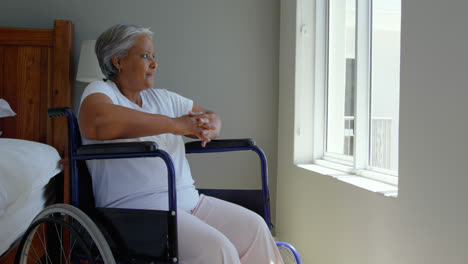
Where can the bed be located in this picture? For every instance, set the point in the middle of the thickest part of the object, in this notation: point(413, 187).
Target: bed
point(35, 74)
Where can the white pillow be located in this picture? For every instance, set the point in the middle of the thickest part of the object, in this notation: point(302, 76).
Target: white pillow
point(5, 109)
point(25, 166)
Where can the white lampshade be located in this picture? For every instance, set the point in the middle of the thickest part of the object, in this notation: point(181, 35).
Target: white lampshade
point(88, 66)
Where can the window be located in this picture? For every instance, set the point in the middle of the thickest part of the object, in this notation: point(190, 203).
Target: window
point(356, 89)
point(362, 84)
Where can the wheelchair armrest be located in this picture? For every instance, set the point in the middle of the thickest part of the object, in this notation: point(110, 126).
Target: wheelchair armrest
point(220, 143)
point(114, 148)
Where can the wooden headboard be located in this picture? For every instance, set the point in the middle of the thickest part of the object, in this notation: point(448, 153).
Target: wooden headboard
point(36, 74)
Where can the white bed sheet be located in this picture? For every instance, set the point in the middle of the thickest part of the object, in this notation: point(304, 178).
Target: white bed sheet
point(24, 167)
point(18, 216)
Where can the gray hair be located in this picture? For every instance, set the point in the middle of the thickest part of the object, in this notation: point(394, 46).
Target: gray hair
point(116, 40)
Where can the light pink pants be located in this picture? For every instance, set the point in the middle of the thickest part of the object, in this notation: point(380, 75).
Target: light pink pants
point(217, 231)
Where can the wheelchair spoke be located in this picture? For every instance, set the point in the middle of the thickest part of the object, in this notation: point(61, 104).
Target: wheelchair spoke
point(35, 252)
point(33, 259)
point(30, 242)
point(44, 244)
point(73, 245)
point(73, 241)
point(91, 246)
point(61, 242)
point(71, 248)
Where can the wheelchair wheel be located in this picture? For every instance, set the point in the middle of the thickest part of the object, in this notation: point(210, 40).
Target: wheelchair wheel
point(288, 253)
point(62, 233)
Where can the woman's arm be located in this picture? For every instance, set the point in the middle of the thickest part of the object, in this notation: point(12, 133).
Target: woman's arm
point(100, 119)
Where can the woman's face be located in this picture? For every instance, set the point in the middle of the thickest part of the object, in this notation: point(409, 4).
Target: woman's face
point(138, 67)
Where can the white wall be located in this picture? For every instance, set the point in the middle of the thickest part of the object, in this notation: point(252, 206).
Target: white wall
point(223, 54)
point(332, 222)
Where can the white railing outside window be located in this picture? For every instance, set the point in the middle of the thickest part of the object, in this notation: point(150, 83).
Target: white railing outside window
point(349, 135)
point(381, 139)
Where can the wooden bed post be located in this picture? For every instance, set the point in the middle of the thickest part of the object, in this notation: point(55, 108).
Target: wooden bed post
point(62, 82)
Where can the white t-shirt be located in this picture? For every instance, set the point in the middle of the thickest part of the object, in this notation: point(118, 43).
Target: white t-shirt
point(141, 183)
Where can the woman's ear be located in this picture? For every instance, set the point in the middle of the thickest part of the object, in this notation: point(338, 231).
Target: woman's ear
point(116, 62)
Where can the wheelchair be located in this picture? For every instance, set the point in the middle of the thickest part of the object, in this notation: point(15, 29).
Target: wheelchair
point(79, 232)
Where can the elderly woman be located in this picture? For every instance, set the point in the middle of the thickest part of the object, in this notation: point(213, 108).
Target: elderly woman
point(125, 107)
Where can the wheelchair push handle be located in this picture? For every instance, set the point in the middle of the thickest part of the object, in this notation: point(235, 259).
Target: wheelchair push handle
point(56, 111)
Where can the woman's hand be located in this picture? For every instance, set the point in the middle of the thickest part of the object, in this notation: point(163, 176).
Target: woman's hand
point(194, 125)
point(208, 121)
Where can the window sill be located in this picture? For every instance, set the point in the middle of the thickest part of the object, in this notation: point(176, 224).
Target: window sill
point(371, 181)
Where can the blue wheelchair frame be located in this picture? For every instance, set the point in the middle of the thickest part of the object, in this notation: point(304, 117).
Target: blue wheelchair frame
point(112, 219)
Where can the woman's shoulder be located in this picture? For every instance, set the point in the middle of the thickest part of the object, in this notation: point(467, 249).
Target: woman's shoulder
point(99, 86)
point(106, 88)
